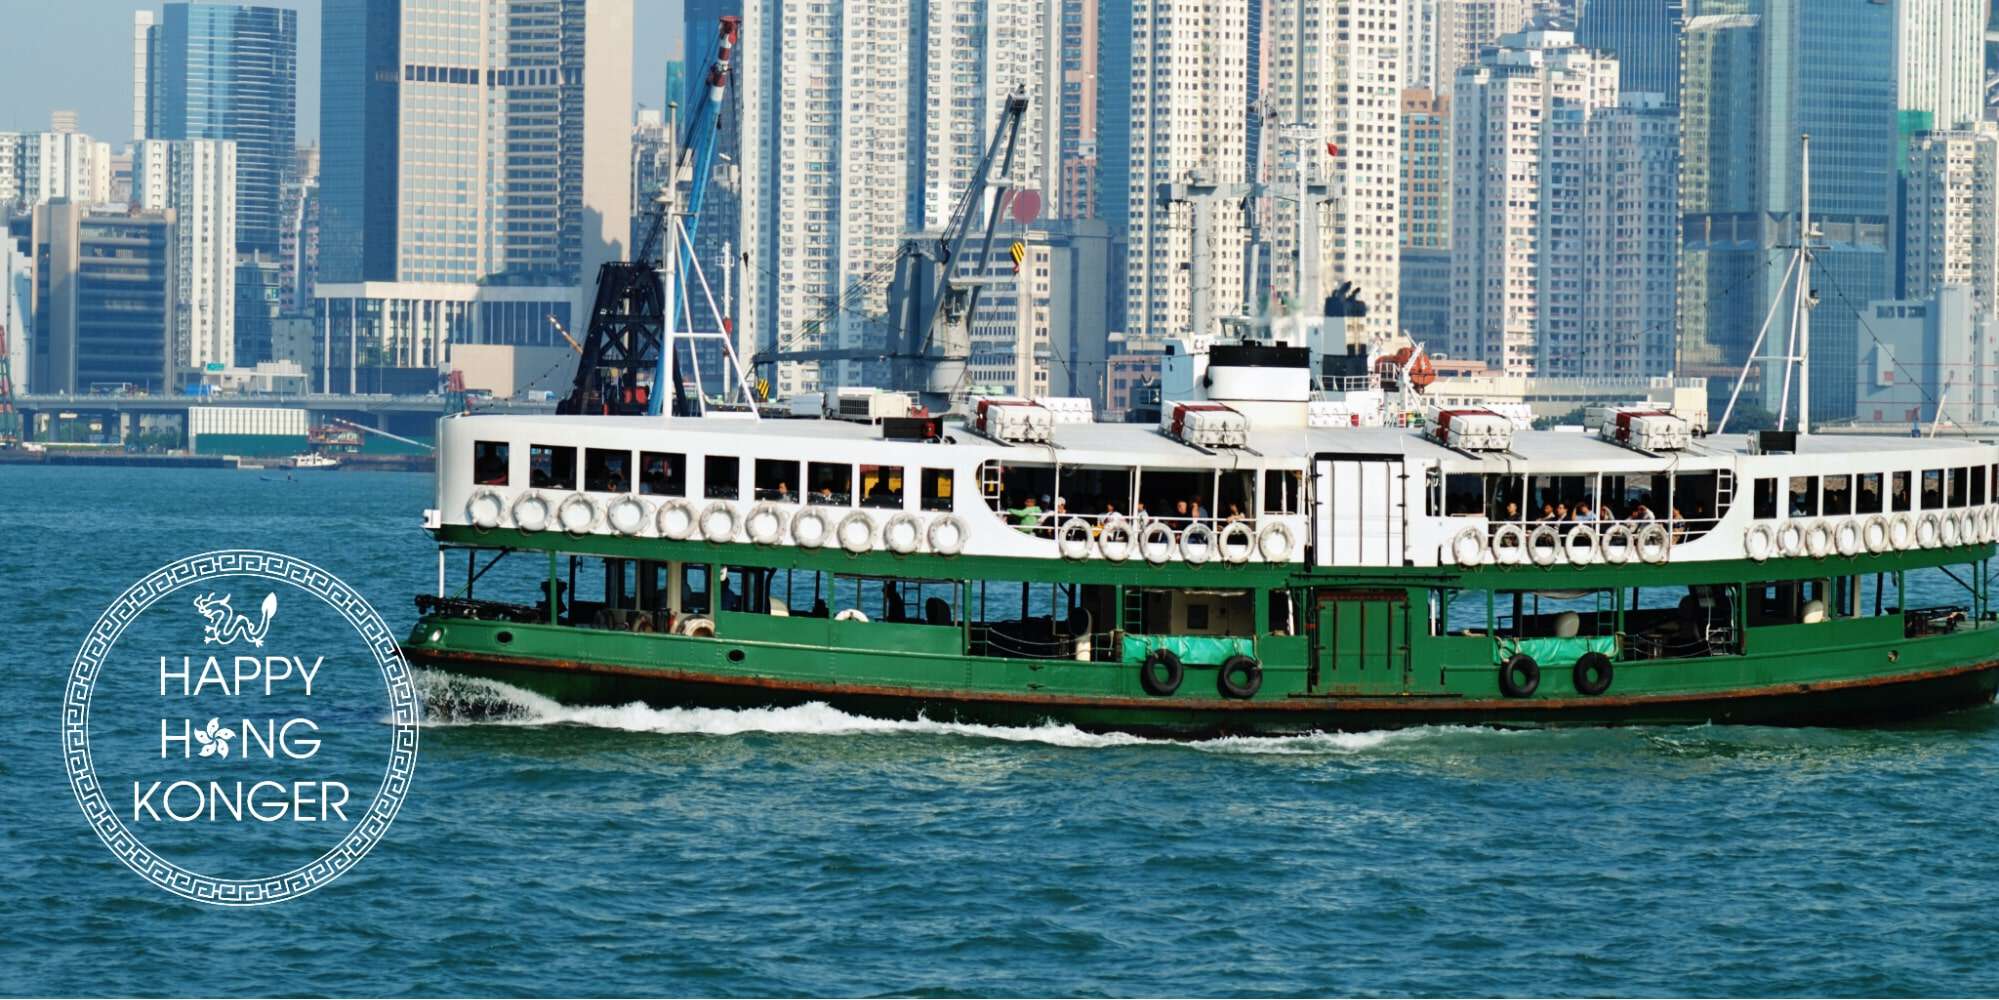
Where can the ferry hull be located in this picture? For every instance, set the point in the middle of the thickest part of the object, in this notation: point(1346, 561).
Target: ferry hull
point(1862, 702)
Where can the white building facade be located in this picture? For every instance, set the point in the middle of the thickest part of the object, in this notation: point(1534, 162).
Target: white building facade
point(195, 179)
point(1951, 216)
point(1940, 59)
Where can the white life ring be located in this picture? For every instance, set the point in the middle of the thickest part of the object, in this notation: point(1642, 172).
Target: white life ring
point(1544, 545)
point(1818, 540)
point(1874, 534)
point(1928, 533)
point(1197, 544)
point(1468, 548)
point(1758, 542)
point(1236, 541)
point(1586, 552)
point(854, 614)
point(1967, 528)
point(1274, 542)
point(720, 522)
point(531, 511)
point(764, 524)
point(1156, 542)
point(1948, 532)
point(809, 528)
point(856, 532)
point(1991, 516)
point(1114, 538)
point(577, 514)
point(695, 627)
point(1790, 539)
point(676, 520)
point(1615, 545)
point(485, 509)
point(1901, 531)
point(626, 515)
point(946, 535)
point(902, 533)
point(1846, 538)
point(1655, 543)
point(1509, 545)
point(1072, 538)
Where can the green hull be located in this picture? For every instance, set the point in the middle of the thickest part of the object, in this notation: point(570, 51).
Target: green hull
point(1366, 652)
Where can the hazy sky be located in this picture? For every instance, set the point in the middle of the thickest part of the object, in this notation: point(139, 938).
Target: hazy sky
point(77, 55)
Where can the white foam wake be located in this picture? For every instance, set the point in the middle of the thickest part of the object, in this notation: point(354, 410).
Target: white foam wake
point(452, 700)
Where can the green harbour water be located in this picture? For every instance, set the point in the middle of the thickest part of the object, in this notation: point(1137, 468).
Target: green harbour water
point(546, 849)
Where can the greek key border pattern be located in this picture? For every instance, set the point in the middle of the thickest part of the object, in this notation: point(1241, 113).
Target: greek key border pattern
point(404, 715)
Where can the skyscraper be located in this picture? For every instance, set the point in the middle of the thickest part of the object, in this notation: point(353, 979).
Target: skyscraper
point(1721, 221)
point(1466, 27)
point(1336, 65)
point(1425, 270)
point(1078, 147)
point(104, 294)
point(223, 72)
point(1188, 92)
point(59, 163)
point(1644, 35)
point(1939, 59)
point(1521, 121)
point(1630, 240)
point(1953, 215)
point(1114, 108)
point(975, 54)
point(477, 171)
point(196, 181)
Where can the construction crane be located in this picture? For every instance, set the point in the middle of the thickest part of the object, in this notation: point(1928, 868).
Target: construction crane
point(625, 339)
point(929, 352)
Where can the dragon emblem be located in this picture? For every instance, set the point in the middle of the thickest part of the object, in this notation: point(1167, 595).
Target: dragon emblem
point(225, 625)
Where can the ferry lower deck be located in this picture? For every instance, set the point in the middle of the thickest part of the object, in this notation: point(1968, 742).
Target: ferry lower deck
point(1219, 649)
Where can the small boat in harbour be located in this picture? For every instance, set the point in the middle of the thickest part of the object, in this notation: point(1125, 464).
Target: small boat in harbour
point(312, 462)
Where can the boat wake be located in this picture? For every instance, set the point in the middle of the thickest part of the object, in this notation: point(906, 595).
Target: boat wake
point(452, 700)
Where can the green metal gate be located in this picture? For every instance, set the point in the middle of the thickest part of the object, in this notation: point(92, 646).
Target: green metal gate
point(1360, 642)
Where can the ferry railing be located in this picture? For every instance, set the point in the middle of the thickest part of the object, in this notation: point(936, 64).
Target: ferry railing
point(1941, 619)
point(1010, 640)
point(487, 611)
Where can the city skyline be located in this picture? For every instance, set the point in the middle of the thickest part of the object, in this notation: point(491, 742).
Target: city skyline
point(76, 40)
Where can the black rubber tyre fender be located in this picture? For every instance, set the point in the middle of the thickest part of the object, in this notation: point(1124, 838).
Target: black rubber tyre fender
point(1592, 674)
point(1519, 676)
point(1252, 677)
point(1156, 683)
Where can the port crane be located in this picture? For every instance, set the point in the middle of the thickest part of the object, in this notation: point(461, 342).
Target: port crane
point(627, 337)
point(928, 352)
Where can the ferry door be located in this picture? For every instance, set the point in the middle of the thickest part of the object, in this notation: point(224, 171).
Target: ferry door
point(1357, 505)
point(1360, 642)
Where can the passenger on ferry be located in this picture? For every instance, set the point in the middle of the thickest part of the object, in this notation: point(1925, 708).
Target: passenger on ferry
point(1235, 513)
point(1640, 512)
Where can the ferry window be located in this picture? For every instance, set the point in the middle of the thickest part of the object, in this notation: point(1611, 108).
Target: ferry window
point(662, 474)
point(1960, 487)
point(1804, 496)
point(722, 476)
point(1766, 497)
point(551, 467)
point(607, 471)
point(831, 483)
point(1901, 491)
point(1281, 492)
point(489, 463)
point(1234, 500)
point(1932, 489)
point(1977, 486)
point(1558, 498)
point(1464, 495)
point(1838, 495)
point(1696, 501)
point(1868, 500)
point(1504, 496)
point(777, 480)
point(937, 489)
point(694, 590)
point(1177, 495)
point(881, 486)
point(1095, 491)
point(1637, 497)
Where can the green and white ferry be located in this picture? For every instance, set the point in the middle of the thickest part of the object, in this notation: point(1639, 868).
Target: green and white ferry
point(1251, 564)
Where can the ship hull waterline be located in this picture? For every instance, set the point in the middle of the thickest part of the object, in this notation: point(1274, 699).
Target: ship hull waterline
point(1869, 701)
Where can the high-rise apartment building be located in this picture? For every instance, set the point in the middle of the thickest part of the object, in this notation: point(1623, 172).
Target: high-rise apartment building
point(1336, 65)
point(1939, 59)
point(1189, 83)
point(60, 163)
point(826, 160)
point(1952, 215)
point(298, 240)
point(104, 298)
point(1750, 90)
point(1467, 27)
point(1426, 170)
point(1631, 242)
point(1644, 35)
point(1521, 129)
point(1077, 141)
point(195, 180)
point(975, 54)
point(226, 72)
point(477, 171)
point(1114, 110)
point(1421, 34)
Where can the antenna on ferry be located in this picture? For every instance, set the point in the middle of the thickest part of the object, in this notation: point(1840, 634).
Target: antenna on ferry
point(1798, 348)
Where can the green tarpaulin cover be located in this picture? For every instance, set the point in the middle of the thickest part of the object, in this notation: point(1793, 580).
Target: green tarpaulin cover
point(1557, 651)
point(1207, 649)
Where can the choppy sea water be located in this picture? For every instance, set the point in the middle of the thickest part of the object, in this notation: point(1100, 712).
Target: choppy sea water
point(554, 850)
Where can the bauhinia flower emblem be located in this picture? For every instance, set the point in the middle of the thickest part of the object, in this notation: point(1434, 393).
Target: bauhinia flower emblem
point(214, 738)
